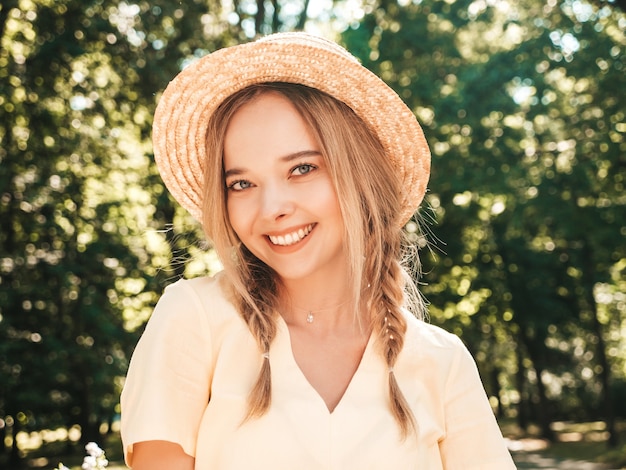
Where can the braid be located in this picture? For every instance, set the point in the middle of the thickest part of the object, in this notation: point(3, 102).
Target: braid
point(260, 397)
point(390, 327)
point(256, 305)
point(386, 295)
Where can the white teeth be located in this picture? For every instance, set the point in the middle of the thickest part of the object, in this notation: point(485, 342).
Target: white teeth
point(291, 238)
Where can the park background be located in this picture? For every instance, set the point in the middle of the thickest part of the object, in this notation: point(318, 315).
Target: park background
point(523, 229)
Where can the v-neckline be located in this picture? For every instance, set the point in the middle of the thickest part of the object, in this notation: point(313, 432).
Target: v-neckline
point(284, 350)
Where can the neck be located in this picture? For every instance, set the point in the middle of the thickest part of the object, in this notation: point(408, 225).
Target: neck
point(324, 297)
point(318, 291)
point(321, 309)
point(312, 313)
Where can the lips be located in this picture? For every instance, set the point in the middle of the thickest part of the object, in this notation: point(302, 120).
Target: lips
point(291, 238)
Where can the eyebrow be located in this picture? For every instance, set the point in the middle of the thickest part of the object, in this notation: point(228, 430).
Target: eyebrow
point(286, 159)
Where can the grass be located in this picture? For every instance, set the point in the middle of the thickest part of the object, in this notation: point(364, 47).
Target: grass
point(48, 455)
point(575, 441)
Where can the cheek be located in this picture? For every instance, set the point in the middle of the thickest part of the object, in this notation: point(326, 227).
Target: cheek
point(328, 201)
point(237, 216)
point(233, 215)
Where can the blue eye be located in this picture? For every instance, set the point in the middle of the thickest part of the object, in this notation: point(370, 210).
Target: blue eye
point(239, 185)
point(303, 169)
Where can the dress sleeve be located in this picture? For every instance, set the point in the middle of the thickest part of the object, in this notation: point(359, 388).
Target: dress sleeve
point(473, 440)
point(168, 382)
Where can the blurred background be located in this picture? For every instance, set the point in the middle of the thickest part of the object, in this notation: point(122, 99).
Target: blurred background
point(523, 231)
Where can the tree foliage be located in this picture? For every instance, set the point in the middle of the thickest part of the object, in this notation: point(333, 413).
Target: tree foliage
point(521, 102)
point(86, 242)
point(523, 108)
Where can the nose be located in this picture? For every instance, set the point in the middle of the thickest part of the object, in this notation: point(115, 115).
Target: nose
point(277, 201)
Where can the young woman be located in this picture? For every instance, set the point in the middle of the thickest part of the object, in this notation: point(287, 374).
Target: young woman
point(302, 167)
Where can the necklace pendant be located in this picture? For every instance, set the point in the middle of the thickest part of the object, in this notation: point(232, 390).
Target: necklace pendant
point(309, 317)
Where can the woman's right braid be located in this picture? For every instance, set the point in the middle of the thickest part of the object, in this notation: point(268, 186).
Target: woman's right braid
point(392, 330)
point(386, 296)
point(258, 314)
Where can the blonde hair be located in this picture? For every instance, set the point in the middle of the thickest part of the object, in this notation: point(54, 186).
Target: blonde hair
point(369, 197)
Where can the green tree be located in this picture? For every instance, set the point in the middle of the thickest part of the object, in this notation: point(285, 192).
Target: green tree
point(86, 242)
point(77, 198)
point(522, 106)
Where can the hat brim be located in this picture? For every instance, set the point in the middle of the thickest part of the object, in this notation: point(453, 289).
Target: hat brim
point(184, 110)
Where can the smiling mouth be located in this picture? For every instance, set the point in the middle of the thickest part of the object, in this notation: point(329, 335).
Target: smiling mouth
point(291, 238)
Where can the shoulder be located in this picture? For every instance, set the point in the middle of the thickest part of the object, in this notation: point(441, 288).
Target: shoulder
point(198, 287)
point(433, 352)
point(198, 302)
point(200, 293)
point(423, 336)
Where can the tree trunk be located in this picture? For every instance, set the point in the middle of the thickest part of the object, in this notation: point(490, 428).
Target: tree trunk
point(14, 457)
point(3, 435)
point(596, 327)
point(259, 18)
point(545, 415)
point(303, 16)
point(544, 407)
point(520, 379)
point(497, 390)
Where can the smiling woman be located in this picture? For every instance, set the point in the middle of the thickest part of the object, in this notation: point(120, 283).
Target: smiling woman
point(282, 204)
point(302, 167)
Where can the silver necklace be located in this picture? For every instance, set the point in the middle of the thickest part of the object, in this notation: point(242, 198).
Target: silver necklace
point(310, 317)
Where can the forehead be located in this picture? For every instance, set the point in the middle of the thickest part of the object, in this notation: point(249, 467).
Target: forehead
point(269, 126)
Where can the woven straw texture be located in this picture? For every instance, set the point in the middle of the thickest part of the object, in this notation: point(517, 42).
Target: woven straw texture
point(183, 111)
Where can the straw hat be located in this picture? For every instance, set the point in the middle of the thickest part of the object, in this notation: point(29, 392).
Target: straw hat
point(183, 112)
